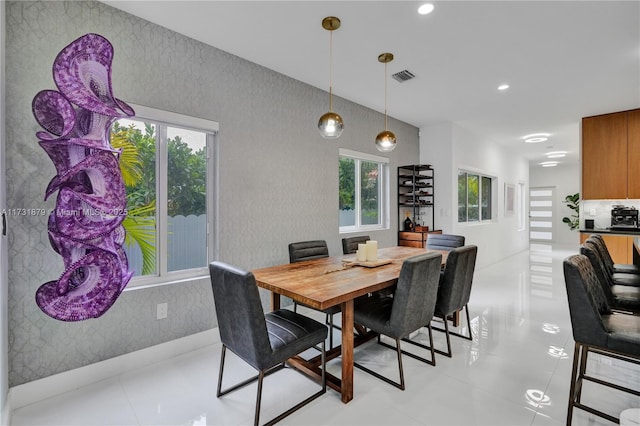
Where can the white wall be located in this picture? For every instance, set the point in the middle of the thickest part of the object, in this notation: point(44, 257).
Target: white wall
point(449, 147)
point(565, 178)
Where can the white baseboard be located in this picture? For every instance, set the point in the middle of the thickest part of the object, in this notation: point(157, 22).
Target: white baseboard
point(38, 390)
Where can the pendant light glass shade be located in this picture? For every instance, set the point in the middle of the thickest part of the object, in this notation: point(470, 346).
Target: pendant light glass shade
point(330, 124)
point(385, 141)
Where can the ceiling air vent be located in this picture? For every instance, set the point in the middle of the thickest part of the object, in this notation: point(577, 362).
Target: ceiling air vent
point(403, 76)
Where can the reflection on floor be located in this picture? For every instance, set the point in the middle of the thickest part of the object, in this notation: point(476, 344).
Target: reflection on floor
point(516, 371)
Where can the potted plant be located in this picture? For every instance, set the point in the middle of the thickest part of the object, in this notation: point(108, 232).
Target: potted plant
point(573, 202)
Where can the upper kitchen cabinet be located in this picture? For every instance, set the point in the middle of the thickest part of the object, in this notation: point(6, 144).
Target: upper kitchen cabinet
point(633, 153)
point(611, 156)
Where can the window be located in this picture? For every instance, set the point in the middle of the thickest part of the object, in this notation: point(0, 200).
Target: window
point(168, 168)
point(363, 191)
point(474, 197)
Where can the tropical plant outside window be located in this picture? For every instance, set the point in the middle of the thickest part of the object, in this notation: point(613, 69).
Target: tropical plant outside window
point(165, 171)
point(361, 201)
point(474, 197)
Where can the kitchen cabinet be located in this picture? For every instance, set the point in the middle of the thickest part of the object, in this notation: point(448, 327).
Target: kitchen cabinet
point(611, 156)
point(620, 246)
point(633, 154)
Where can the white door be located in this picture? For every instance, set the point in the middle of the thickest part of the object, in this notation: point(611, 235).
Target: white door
point(541, 213)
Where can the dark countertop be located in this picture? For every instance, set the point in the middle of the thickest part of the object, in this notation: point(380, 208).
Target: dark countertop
point(631, 232)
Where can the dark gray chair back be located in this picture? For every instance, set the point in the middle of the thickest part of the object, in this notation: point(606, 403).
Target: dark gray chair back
point(415, 296)
point(587, 301)
point(240, 315)
point(589, 249)
point(456, 280)
point(444, 241)
point(601, 246)
point(350, 244)
point(307, 250)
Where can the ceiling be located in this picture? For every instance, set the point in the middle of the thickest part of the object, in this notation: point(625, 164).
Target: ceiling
point(563, 60)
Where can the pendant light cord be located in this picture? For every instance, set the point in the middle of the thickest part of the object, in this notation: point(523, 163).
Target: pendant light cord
point(330, 71)
point(385, 96)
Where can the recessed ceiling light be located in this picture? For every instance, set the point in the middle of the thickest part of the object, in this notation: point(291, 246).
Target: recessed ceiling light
point(556, 154)
point(503, 87)
point(549, 163)
point(536, 137)
point(426, 9)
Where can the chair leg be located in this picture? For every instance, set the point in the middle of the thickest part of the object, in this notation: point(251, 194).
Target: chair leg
point(453, 333)
point(260, 377)
point(219, 390)
point(466, 310)
point(429, 347)
point(399, 385)
point(250, 380)
point(582, 370)
point(446, 331)
point(256, 419)
point(309, 399)
point(399, 351)
point(572, 390)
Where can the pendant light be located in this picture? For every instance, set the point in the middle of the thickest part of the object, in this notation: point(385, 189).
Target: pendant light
point(330, 124)
point(386, 140)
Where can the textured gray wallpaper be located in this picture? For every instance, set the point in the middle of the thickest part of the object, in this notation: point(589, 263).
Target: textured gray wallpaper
point(278, 177)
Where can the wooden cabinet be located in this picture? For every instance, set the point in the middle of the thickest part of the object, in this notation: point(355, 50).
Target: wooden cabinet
point(611, 156)
point(620, 246)
point(414, 238)
point(633, 154)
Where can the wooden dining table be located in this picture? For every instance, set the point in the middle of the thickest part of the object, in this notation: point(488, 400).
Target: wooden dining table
point(326, 282)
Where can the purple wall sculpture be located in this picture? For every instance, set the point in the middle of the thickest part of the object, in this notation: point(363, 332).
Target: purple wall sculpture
point(85, 228)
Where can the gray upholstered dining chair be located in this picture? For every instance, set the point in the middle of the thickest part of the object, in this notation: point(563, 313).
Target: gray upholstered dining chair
point(264, 341)
point(454, 290)
point(350, 244)
point(618, 296)
point(411, 307)
point(608, 260)
point(309, 250)
point(598, 330)
point(444, 241)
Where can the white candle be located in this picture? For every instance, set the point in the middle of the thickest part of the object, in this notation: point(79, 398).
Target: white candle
point(372, 251)
point(361, 255)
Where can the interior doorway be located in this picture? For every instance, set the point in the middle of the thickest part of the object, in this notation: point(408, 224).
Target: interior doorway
point(541, 213)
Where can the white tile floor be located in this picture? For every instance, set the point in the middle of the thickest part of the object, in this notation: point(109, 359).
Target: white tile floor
point(516, 371)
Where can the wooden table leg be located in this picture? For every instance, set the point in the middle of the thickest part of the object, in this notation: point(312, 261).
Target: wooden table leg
point(347, 351)
point(456, 318)
point(275, 301)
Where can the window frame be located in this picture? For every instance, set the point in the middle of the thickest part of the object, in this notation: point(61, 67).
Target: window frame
point(383, 191)
point(490, 205)
point(163, 119)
